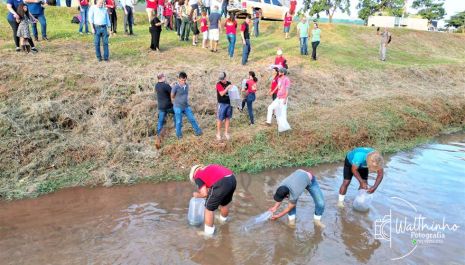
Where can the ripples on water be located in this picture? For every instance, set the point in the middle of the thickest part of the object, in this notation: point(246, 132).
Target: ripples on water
point(146, 224)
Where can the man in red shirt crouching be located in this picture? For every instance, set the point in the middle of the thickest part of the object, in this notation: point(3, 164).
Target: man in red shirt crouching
point(217, 184)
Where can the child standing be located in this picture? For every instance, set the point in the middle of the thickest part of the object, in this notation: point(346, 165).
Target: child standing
point(24, 19)
point(204, 29)
point(195, 28)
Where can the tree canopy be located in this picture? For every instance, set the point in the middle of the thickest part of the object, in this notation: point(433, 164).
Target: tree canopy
point(315, 7)
point(370, 7)
point(430, 9)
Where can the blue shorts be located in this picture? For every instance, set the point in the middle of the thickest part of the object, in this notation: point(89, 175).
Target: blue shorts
point(286, 29)
point(224, 111)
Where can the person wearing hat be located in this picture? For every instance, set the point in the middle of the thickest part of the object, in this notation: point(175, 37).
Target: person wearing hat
point(359, 162)
point(217, 184)
point(292, 188)
point(279, 105)
point(279, 61)
point(224, 109)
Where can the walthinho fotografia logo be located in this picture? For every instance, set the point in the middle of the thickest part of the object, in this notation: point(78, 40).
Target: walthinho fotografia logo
point(415, 228)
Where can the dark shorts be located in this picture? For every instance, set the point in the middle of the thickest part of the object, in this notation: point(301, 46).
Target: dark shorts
point(348, 171)
point(221, 193)
point(224, 111)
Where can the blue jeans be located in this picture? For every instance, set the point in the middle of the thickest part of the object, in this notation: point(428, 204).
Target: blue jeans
point(207, 9)
point(317, 196)
point(256, 21)
point(178, 112)
point(232, 43)
point(249, 100)
point(101, 33)
point(224, 10)
point(245, 51)
point(161, 119)
point(43, 25)
point(303, 45)
point(84, 12)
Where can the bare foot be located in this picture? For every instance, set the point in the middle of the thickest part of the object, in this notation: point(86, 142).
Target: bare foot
point(319, 224)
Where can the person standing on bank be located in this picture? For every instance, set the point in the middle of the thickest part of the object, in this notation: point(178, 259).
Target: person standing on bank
point(257, 14)
point(359, 162)
point(100, 22)
point(180, 98)
point(292, 188)
point(111, 7)
point(316, 34)
point(165, 106)
point(224, 109)
point(287, 24)
point(150, 8)
point(302, 29)
point(274, 84)
point(84, 10)
point(155, 31)
point(12, 18)
point(251, 89)
point(214, 29)
point(231, 28)
point(37, 10)
point(128, 7)
point(245, 35)
point(217, 184)
point(385, 40)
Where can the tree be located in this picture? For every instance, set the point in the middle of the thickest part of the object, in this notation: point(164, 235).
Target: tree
point(430, 9)
point(457, 21)
point(369, 7)
point(315, 7)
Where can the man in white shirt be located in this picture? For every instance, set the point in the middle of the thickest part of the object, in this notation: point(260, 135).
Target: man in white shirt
point(128, 8)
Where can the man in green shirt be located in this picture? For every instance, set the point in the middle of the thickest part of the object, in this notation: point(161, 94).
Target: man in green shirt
point(316, 33)
point(302, 29)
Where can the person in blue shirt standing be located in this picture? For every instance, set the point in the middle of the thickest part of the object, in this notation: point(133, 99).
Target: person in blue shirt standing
point(37, 9)
point(359, 162)
point(100, 22)
point(12, 6)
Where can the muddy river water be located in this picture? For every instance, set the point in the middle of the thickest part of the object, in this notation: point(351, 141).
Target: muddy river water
point(417, 217)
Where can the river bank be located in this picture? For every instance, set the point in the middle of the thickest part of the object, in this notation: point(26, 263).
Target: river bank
point(67, 121)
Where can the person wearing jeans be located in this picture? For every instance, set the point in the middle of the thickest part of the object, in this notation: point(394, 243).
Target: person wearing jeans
point(251, 89)
point(316, 33)
point(84, 9)
point(68, 3)
point(302, 29)
point(100, 21)
point(165, 106)
point(36, 8)
point(245, 34)
point(180, 98)
point(231, 27)
point(256, 22)
point(12, 6)
point(292, 188)
point(128, 8)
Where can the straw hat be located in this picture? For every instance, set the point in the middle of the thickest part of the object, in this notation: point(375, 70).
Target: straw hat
point(279, 52)
point(192, 173)
point(375, 161)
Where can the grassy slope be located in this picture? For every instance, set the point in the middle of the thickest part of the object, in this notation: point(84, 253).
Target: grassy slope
point(67, 121)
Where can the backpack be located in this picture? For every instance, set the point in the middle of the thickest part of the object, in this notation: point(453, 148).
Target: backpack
point(75, 20)
point(285, 64)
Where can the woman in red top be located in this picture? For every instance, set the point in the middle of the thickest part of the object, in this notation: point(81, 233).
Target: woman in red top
point(231, 28)
point(151, 7)
point(204, 29)
point(217, 184)
point(274, 83)
point(168, 14)
point(287, 24)
point(250, 88)
point(112, 14)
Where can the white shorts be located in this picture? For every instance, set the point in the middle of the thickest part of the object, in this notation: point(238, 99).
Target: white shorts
point(205, 35)
point(214, 34)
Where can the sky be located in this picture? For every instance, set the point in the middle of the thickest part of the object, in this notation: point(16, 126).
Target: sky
point(452, 7)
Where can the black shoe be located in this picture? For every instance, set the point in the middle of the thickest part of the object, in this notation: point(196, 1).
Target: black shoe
point(106, 60)
point(36, 39)
point(45, 38)
point(99, 59)
point(34, 49)
point(18, 49)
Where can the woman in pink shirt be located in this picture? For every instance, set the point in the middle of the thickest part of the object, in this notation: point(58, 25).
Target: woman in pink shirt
point(279, 105)
point(287, 24)
point(231, 28)
point(168, 14)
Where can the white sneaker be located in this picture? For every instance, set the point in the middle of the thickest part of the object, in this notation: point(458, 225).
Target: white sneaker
point(218, 137)
point(227, 136)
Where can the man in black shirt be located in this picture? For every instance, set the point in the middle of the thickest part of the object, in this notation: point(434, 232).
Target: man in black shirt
point(245, 34)
point(165, 106)
point(224, 109)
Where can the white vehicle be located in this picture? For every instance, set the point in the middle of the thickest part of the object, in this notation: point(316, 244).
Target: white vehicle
point(269, 9)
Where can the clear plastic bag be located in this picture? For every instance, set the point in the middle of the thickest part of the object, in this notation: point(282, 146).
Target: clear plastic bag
point(256, 221)
point(281, 117)
point(362, 202)
point(196, 213)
